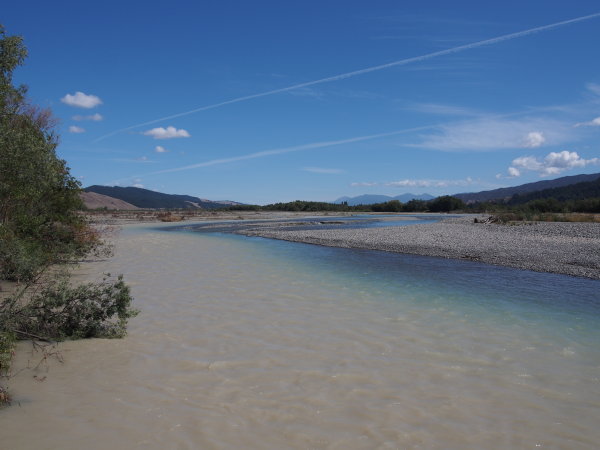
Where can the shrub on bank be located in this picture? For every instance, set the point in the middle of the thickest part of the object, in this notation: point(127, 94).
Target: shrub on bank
point(42, 231)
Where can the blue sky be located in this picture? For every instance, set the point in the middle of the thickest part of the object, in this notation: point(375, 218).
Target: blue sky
point(269, 101)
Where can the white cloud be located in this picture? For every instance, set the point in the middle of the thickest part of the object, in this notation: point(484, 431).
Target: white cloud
point(81, 100)
point(493, 134)
point(322, 170)
point(363, 184)
point(166, 133)
point(534, 139)
point(594, 88)
point(410, 183)
point(420, 183)
point(160, 149)
point(76, 129)
point(138, 185)
point(95, 117)
point(552, 164)
point(514, 172)
point(430, 183)
point(592, 123)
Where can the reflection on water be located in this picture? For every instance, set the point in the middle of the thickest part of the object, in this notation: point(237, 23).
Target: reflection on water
point(253, 343)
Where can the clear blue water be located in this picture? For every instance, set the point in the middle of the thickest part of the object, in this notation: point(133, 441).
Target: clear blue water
point(505, 294)
point(454, 283)
point(562, 306)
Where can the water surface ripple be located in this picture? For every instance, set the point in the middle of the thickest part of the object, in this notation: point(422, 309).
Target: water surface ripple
point(252, 343)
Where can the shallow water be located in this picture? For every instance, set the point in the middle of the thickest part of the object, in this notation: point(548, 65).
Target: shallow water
point(253, 343)
point(312, 223)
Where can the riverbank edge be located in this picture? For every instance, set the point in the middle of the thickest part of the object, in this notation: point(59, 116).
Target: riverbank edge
point(562, 248)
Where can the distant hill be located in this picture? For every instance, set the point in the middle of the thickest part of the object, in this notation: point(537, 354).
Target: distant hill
point(372, 199)
point(93, 200)
point(147, 199)
point(505, 194)
point(578, 191)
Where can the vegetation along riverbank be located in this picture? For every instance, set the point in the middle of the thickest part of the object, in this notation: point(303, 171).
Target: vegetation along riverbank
point(43, 234)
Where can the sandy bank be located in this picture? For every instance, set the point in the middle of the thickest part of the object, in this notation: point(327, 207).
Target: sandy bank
point(564, 248)
point(157, 216)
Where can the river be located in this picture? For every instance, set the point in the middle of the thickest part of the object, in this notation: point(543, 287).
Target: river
point(254, 343)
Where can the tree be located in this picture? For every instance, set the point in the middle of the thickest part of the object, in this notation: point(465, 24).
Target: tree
point(41, 226)
point(445, 203)
point(39, 198)
point(415, 205)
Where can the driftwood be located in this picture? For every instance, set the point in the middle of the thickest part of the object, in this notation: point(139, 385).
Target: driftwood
point(34, 336)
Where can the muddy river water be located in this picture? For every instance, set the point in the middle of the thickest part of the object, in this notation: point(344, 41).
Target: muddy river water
point(252, 343)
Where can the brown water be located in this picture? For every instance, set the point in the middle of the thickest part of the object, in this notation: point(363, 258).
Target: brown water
point(248, 343)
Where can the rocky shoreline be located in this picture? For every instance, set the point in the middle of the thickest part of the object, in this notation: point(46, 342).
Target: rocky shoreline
point(555, 247)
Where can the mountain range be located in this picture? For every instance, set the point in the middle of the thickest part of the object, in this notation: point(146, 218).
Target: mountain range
point(494, 195)
point(371, 199)
point(147, 199)
point(573, 192)
point(505, 194)
point(115, 197)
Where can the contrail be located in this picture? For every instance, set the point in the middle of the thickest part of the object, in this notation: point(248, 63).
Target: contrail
point(296, 148)
point(342, 76)
point(283, 150)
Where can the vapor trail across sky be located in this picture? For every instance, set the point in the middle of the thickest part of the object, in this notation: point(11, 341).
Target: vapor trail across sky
point(296, 148)
point(342, 76)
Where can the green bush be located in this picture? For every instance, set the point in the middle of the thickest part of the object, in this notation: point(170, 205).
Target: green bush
point(42, 229)
point(19, 260)
point(60, 311)
point(7, 344)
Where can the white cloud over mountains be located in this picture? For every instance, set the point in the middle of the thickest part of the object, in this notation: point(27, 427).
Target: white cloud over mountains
point(552, 164)
point(81, 100)
point(430, 183)
point(364, 184)
point(167, 133)
point(160, 149)
point(420, 183)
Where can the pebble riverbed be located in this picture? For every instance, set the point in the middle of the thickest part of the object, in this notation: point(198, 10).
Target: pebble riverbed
point(556, 247)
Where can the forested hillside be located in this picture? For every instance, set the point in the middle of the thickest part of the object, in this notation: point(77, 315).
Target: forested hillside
point(504, 194)
point(579, 191)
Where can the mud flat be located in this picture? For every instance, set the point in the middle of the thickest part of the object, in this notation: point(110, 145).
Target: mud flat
point(564, 248)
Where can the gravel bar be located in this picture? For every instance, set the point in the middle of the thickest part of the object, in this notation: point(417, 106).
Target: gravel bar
point(556, 247)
